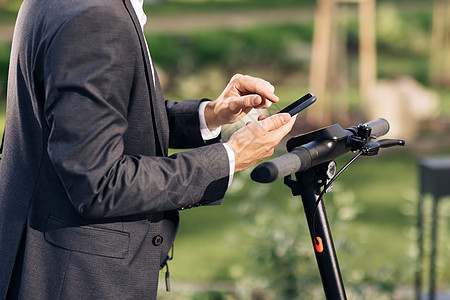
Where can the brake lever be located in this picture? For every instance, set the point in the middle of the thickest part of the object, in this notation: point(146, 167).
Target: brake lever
point(371, 148)
point(386, 143)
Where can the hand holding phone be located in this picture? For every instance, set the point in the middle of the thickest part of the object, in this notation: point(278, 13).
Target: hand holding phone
point(299, 105)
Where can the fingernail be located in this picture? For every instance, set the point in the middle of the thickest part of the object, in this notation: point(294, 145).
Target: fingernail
point(255, 100)
point(286, 118)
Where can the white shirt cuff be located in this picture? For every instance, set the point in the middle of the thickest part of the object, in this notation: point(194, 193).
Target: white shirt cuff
point(232, 160)
point(205, 132)
point(209, 135)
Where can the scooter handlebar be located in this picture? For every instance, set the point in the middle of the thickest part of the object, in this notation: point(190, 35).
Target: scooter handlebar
point(379, 127)
point(313, 153)
point(297, 160)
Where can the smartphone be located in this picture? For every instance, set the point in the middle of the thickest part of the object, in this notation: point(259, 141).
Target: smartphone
point(299, 105)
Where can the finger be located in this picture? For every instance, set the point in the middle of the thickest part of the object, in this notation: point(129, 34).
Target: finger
point(252, 85)
point(249, 102)
point(258, 102)
point(263, 104)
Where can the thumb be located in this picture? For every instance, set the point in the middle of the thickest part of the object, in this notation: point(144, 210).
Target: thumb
point(275, 121)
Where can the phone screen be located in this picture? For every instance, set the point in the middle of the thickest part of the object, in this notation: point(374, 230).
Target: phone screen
point(299, 105)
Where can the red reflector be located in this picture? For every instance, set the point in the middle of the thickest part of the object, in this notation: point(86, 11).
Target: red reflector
point(319, 245)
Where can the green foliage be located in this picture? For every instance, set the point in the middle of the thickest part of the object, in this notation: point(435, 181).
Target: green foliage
point(280, 247)
point(7, 17)
point(8, 11)
point(398, 33)
point(184, 6)
point(405, 37)
point(5, 50)
point(228, 48)
point(266, 47)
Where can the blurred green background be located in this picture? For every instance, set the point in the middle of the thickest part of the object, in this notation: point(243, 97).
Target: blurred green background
point(256, 244)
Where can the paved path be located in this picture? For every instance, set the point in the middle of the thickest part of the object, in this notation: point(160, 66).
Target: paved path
point(227, 20)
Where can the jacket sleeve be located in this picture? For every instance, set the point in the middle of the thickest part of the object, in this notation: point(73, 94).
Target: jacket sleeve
point(88, 75)
point(184, 124)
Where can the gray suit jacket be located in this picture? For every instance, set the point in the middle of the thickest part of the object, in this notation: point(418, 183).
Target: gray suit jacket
point(89, 199)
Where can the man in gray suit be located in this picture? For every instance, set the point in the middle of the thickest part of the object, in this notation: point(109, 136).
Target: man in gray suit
point(89, 198)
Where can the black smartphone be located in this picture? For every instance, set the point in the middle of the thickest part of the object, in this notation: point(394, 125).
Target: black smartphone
point(299, 105)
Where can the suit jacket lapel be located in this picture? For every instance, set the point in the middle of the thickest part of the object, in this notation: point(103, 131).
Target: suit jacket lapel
point(157, 105)
point(161, 115)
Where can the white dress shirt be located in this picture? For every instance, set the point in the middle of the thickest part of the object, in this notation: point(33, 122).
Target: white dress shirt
point(138, 6)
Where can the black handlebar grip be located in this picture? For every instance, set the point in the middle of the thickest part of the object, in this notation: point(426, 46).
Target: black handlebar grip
point(292, 162)
point(379, 127)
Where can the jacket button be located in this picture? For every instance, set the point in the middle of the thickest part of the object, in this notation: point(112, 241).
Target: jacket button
point(157, 240)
